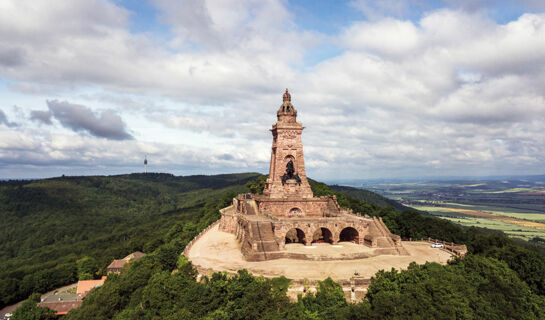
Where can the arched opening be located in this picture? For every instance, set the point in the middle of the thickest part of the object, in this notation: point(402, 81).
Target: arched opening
point(295, 212)
point(322, 235)
point(295, 235)
point(349, 234)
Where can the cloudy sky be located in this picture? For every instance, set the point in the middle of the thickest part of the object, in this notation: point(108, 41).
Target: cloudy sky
point(411, 88)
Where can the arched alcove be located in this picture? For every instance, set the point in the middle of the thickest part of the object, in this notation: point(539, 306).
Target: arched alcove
point(349, 234)
point(295, 212)
point(295, 235)
point(322, 235)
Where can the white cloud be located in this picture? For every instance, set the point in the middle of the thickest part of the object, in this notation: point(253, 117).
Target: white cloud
point(451, 90)
point(385, 37)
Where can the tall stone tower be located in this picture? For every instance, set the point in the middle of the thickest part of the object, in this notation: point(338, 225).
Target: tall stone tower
point(288, 212)
point(287, 175)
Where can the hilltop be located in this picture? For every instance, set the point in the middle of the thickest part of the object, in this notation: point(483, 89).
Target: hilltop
point(49, 224)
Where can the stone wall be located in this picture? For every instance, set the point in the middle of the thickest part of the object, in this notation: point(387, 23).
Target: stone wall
point(229, 220)
point(294, 208)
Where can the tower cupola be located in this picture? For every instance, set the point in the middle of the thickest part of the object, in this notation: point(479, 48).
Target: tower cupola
point(287, 112)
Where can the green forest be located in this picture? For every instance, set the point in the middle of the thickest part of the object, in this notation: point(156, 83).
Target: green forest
point(49, 225)
point(60, 229)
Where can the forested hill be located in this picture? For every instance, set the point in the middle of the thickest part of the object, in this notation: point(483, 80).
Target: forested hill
point(55, 231)
point(47, 225)
point(370, 197)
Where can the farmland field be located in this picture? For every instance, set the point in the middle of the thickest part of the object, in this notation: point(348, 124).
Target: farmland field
point(514, 205)
point(510, 229)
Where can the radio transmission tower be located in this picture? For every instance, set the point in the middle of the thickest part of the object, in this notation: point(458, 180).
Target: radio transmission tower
point(146, 163)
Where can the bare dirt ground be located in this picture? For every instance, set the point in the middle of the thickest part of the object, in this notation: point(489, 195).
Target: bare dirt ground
point(220, 251)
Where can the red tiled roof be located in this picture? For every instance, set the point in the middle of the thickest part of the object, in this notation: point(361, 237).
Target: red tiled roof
point(61, 307)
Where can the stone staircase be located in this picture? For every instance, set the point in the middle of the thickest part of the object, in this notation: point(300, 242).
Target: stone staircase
point(250, 207)
point(262, 238)
point(385, 240)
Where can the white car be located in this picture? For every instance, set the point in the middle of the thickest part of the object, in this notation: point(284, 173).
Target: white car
point(437, 245)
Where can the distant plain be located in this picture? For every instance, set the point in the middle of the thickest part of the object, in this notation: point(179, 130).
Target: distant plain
point(515, 205)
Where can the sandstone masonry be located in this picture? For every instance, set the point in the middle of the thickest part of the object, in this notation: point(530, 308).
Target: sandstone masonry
point(288, 212)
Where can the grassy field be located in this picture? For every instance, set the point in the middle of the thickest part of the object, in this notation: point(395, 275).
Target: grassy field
point(522, 225)
point(515, 205)
point(438, 211)
point(446, 208)
point(539, 217)
point(518, 231)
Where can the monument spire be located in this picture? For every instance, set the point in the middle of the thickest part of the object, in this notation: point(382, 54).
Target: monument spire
point(287, 174)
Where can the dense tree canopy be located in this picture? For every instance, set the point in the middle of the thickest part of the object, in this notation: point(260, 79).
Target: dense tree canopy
point(52, 230)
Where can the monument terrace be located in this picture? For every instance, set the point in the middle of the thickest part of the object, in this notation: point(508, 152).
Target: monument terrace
point(287, 211)
point(288, 231)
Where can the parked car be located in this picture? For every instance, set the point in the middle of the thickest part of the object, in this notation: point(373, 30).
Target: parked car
point(437, 245)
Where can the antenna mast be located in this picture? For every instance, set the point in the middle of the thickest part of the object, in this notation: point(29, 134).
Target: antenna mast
point(146, 163)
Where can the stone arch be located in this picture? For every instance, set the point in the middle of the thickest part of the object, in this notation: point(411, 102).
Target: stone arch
point(349, 234)
point(322, 235)
point(295, 235)
point(295, 212)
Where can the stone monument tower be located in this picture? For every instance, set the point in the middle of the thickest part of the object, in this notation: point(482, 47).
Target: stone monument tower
point(287, 175)
point(287, 211)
